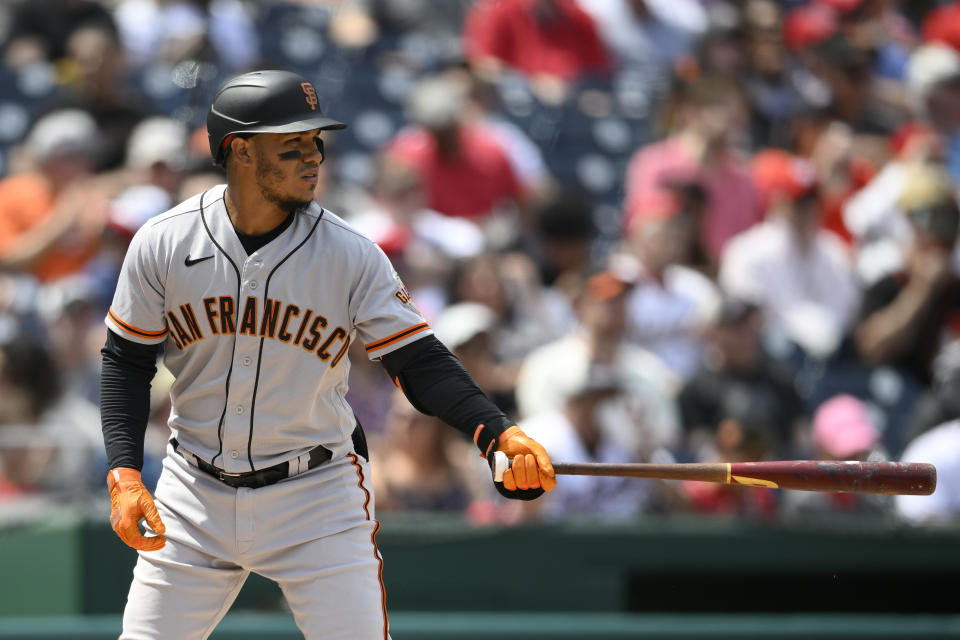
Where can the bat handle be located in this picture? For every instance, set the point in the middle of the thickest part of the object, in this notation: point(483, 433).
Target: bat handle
point(500, 464)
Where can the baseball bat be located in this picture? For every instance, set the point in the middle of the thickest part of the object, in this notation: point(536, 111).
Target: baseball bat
point(895, 478)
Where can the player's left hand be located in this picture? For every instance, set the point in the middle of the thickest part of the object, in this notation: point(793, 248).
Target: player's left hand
point(530, 473)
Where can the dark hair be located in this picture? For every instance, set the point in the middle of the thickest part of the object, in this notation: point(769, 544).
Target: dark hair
point(566, 216)
point(941, 219)
point(28, 365)
point(699, 91)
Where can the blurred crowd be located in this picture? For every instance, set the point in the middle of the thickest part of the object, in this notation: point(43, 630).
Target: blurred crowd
point(652, 230)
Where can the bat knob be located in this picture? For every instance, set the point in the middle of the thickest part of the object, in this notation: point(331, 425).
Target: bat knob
point(500, 464)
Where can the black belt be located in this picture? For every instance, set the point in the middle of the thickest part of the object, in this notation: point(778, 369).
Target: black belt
point(255, 479)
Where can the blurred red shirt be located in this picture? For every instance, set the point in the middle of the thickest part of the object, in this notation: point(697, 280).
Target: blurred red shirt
point(469, 185)
point(516, 32)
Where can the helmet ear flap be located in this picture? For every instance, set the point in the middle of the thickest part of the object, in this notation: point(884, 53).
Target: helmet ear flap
point(319, 141)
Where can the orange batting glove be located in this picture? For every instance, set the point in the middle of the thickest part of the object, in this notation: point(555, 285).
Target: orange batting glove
point(129, 503)
point(531, 467)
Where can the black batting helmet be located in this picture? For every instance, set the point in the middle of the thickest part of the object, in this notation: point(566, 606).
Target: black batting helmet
point(268, 101)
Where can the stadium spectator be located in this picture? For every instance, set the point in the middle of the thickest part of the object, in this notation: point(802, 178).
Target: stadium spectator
point(564, 239)
point(776, 85)
point(844, 161)
point(156, 159)
point(740, 437)
point(359, 23)
point(94, 82)
point(799, 274)
point(71, 310)
point(843, 429)
point(940, 447)
point(466, 328)
point(421, 464)
point(940, 402)
point(880, 230)
point(933, 88)
point(854, 99)
point(669, 304)
point(942, 25)
point(586, 428)
point(648, 37)
point(39, 31)
point(884, 33)
point(51, 218)
point(550, 372)
point(525, 156)
point(809, 24)
point(47, 437)
point(553, 42)
point(421, 243)
point(905, 315)
point(528, 314)
point(465, 170)
point(702, 123)
point(737, 371)
point(168, 32)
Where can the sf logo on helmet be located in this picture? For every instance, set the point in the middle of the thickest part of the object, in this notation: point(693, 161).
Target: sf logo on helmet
point(311, 95)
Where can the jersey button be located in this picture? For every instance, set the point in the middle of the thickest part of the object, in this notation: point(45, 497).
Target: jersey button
point(238, 409)
point(234, 454)
point(253, 284)
point(246, 361)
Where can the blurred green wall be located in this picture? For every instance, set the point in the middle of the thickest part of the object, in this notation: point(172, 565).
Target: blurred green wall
point(652, 578)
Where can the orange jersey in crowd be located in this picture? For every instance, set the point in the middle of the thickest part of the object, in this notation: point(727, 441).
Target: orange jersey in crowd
point(26, 203)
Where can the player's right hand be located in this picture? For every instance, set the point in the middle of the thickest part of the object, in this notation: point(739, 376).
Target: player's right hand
point(129, 503)
point(530, 473)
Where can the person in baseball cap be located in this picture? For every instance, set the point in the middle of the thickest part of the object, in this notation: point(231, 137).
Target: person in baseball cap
point(925, 290)
point(808, 25)
point(773, 263)
point(779, 173)
point(843, 429)
point(931, 207)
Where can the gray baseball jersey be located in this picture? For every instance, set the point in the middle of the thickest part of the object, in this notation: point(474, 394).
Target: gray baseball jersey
point(258, 342)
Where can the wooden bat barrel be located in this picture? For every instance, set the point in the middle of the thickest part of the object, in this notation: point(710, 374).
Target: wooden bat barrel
point(904, 478)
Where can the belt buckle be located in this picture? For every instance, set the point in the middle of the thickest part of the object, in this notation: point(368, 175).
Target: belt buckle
point(223, 475)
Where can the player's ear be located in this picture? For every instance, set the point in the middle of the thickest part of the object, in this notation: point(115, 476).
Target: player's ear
point(242, 151)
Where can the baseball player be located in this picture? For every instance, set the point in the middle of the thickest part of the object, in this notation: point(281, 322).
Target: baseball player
point(255, 293)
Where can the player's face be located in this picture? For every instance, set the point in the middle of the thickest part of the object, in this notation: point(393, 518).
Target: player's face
point(287, 167)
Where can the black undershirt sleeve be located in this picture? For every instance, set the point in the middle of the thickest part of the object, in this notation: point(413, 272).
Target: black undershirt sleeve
point(127, 370)
point(436, 384)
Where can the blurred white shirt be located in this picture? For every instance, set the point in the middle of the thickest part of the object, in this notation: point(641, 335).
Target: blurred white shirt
point(941, 447)
point(648, 420)
point(667, 316)
point(809, 295)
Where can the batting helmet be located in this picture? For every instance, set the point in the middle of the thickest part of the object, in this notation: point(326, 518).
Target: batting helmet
point(263, 102)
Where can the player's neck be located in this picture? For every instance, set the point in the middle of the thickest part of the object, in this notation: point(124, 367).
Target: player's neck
point(251, 214)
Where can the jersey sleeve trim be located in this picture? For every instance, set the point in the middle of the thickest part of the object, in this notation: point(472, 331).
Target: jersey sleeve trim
point(132, 330)
point(397, 337)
